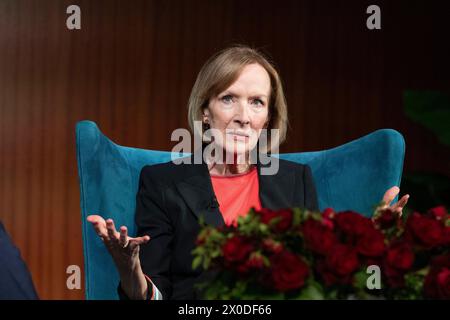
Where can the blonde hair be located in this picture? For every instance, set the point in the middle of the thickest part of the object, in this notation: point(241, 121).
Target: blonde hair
point(221, 71)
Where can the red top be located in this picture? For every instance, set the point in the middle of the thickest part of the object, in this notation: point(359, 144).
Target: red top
point(237, 194)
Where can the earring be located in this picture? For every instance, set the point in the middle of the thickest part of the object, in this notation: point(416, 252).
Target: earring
point(205, 125)
point(205, 121)
point(207, 133)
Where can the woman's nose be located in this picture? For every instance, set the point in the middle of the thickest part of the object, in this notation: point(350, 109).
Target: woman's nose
point(242, 115)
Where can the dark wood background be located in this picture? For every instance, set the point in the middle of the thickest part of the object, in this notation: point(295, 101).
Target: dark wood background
point(131, 68)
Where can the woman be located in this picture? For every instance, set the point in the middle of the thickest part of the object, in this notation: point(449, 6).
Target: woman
point(237, 95)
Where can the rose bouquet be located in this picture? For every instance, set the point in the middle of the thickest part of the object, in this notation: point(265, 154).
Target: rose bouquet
point(300, 254)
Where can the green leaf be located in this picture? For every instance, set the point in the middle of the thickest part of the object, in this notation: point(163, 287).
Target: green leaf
point(206, 262)
point(360, 279)
point(332, 294)
point(297, 216)
point(196, 262)
point(263, 228)
point(266, 261)
point(312, 291)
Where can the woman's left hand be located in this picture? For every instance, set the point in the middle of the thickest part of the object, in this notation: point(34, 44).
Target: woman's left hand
point(389, 195)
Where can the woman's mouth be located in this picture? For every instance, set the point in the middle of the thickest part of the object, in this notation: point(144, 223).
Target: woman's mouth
point(239, 136)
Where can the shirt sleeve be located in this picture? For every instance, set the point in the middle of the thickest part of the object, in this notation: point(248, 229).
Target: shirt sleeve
point(153, 293)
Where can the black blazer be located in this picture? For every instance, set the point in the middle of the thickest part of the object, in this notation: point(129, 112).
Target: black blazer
point(171, 199)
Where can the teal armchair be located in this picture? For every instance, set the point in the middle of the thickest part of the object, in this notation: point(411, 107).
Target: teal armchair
point(353, 176)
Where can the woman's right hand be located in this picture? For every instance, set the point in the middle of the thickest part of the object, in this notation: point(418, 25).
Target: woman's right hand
point(125, 253)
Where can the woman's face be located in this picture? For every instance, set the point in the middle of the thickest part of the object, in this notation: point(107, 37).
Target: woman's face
point(239, 113)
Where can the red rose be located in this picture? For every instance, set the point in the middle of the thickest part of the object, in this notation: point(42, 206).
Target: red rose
point(327, 218)
point(395, 278)
point(400, 256)
point(319, 238)
point(329, 277)
point(438, 212)
point(372, 261)
point(342, 260)
point(437, 282)
point(328, 213)
point(236, 249)
point(266, 215)
point(284, 216)
point(425, 231)
point(286, 220)
point(371, 244)
point(352, 223)
point(289, 271)
point(387, 219)
point(446, 241)
point(398, 259)
point(243, 268)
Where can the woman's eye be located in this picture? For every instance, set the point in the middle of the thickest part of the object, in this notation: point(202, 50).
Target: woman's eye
point(258, 102)
point(227, 99)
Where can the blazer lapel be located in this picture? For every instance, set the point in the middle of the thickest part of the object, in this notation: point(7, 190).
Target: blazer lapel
point(276, 191)
point(198, 193)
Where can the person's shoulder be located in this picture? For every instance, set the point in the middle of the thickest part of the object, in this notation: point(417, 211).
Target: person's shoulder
point(167, 172)
point(292, 164)
point(301, 171)
point(287, 166)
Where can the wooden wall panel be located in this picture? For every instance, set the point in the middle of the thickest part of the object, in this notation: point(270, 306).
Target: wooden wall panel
point(132, 65)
